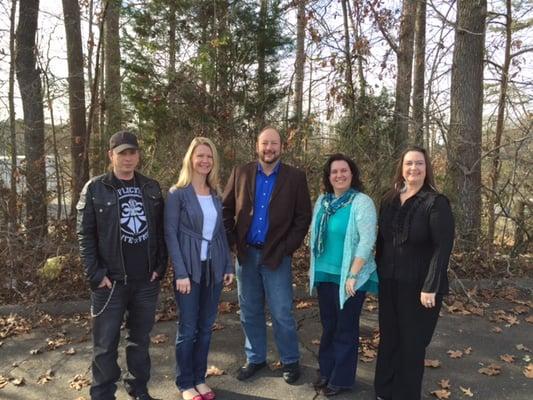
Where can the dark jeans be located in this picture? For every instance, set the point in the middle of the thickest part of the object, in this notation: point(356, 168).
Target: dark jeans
point(405, 329)
point(197, 314)
point(337, 355)
point(136, 300)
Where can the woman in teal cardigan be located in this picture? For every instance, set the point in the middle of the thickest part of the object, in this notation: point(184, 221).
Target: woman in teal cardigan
point(343, 233)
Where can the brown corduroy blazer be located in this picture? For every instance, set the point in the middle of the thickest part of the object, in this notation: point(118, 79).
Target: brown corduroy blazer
point(289, 214)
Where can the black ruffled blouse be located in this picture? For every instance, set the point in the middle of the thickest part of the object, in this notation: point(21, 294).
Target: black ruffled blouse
point(415, 241)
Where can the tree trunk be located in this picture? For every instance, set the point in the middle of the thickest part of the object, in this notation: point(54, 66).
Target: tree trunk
point(350, 92)
point(171, 71)
point(495, 165)
point(113, 102)
point(261, 66)
point(419, 72)
point(465, 120)
point(404, 55)
point(32, 104)
point(224, 98)
point(12, 206)
point(76, 94)
point(299, 64)
point(360, 69)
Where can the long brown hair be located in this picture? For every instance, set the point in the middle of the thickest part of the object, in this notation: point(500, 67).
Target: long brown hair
point(398, 181)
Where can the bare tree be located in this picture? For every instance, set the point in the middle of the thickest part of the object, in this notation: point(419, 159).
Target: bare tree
point(419, 72)
point(113, 99)
point(299, 64)
point(12, 207)
point(76, 93)
point(261, 65)
point(29, 81)
point(466, 110)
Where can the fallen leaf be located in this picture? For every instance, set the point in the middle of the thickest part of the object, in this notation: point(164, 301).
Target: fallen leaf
point(53, 344)
point(496, 329)
point(466, 392)
point(3, 381)
point(458, 308)
point(455, 353)
point(158, 339)
point(431, 363)
point(46, 377)
point(521, 347)
point(441, 394)
point(491, 370)
point(214, 371)
point(69, 352)
point(520, 309)
point(468, 350)
point(528, 371)
point(508, 358)
point(225, 307)
point(530, 319)
point(275, 365)
point(217, 327)
point(17, 381)
point(79, 382)
point(368, 355)
point(35, 351)
point(444, 384)
point(302, 305)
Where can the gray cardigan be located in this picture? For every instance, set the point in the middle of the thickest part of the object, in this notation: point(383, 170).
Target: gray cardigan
point(184, 221)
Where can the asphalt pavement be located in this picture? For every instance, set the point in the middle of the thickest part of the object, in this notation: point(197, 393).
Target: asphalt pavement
point(53, 361)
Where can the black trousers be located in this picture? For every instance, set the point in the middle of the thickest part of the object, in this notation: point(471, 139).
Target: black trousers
point(405, 329)
point(137, 302)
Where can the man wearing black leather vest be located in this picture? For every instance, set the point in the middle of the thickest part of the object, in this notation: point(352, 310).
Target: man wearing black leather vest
point(122, 248)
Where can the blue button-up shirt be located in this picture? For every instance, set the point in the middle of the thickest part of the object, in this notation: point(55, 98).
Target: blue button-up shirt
point(264, 186)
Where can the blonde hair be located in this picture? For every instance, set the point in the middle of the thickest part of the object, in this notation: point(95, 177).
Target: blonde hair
point(185, 176)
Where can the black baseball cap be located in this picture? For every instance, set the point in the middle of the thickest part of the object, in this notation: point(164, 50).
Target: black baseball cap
point(123, 140)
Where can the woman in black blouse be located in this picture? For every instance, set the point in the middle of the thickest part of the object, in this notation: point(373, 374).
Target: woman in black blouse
point(414, 243)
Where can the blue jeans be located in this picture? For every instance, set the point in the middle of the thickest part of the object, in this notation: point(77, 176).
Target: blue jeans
point(136, 300)
point(256, 282)
point(337, 355)
point(197, 314)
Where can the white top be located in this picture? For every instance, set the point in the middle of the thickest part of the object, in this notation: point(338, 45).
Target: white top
point(210, 219)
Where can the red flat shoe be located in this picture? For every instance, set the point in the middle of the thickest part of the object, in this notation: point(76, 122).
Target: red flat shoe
point(209, 395)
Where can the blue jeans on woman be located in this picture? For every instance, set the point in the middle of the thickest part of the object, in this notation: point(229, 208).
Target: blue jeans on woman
point(337, 355)
point(197, 314)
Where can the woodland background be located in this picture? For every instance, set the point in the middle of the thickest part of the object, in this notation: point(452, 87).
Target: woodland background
point(365, 77)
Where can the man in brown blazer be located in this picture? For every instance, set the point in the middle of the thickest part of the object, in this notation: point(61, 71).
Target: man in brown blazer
point(267, 211)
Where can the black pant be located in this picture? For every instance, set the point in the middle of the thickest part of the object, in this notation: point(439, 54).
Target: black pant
point(136, 300)
point(405, 328)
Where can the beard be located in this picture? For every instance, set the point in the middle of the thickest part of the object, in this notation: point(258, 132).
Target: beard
point(273, 158)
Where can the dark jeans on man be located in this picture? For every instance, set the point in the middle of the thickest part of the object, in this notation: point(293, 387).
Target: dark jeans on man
point(137, 300)
point(405, 328)
point(337, 355)
point(197, 314)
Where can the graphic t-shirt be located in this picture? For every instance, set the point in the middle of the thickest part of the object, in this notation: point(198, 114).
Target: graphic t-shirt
point(133, 229)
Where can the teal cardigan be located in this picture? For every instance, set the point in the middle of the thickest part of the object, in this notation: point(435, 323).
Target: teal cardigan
point(359, 242)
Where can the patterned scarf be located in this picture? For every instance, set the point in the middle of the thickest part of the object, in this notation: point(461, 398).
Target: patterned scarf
point(329, 206)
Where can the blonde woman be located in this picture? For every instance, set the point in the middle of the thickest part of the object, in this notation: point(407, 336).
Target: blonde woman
point(200, 256)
